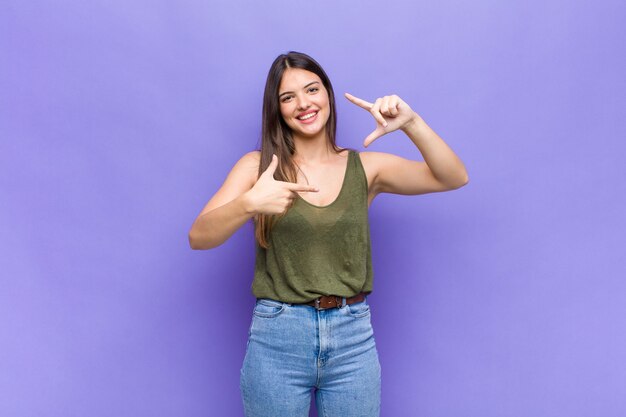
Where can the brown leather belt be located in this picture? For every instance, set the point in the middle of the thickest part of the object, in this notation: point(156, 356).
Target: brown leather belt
point(334, 301)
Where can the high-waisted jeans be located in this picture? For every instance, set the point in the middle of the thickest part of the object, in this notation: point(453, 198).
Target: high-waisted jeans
point(293, 348)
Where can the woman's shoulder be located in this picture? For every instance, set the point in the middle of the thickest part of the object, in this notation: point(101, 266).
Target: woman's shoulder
point(372, 158)
point(246, 169)
point(370, 154)
point(376, 158)
point(374, 162)
point(250, 160)
point(252, 156)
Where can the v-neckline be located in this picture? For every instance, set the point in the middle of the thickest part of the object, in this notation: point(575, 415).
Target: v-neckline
point(343, 185)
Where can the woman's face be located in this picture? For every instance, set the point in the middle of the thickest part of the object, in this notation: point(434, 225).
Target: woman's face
point(304, 102)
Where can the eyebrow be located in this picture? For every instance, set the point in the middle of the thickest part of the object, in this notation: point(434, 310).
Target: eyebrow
point(287, 92)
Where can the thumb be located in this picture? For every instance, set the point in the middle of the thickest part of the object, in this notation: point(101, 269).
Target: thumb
point(271, 168)
point(373, 136)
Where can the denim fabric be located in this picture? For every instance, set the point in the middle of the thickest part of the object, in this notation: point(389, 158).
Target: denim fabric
point(294, 348)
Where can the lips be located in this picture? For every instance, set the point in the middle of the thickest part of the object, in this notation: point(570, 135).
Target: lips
point(307, 117)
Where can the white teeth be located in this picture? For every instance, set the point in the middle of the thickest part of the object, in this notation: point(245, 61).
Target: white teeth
point(308, 116)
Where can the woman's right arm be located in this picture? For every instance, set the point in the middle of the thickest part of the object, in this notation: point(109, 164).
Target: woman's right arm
point(240, 198)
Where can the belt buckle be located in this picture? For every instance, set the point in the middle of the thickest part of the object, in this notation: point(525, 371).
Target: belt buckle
point(338, 303)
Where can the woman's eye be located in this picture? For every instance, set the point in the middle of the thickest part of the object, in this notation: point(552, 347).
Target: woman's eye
point(313, 89)
point(285, 99)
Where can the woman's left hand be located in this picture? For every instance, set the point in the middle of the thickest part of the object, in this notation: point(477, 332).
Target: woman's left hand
point(390, 112)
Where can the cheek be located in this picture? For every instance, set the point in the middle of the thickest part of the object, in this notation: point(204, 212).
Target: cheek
point(285, 111)
point(326, 103)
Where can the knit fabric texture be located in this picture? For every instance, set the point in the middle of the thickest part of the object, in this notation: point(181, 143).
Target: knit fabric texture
point(315, 251)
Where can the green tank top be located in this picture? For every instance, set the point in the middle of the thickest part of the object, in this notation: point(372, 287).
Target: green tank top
point(315, 251)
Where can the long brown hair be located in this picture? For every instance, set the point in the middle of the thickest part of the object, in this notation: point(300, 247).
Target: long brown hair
point(276, 137)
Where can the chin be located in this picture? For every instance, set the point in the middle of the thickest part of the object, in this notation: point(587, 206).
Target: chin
point(309, 130)
point(309, 133)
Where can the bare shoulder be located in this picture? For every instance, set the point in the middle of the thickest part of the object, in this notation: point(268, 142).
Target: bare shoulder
point(252, 157)
point(371, 157)
point(372, 162)
point(247, 167)
point(378, 157)
point(240, 179)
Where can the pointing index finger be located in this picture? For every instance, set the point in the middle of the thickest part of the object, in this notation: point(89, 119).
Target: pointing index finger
point(300, 187)
point(359, 102)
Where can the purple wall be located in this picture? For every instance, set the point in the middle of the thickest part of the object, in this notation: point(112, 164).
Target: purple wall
point(119, 120)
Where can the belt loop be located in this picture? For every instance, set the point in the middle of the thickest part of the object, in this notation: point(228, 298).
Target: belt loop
point(343, 302)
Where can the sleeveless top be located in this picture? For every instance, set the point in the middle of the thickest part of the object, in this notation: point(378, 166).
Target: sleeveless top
point(319, 250)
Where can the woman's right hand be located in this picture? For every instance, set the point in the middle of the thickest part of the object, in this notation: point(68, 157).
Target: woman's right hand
point(269, 196)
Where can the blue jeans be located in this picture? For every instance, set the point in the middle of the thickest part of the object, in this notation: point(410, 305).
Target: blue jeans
point(294, 348)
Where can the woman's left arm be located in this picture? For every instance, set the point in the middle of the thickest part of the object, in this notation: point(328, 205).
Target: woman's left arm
point(441, 170)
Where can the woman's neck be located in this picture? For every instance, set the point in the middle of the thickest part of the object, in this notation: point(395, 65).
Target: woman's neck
point(313, 150)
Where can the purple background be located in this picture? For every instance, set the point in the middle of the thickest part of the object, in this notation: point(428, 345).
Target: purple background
point(119, 120)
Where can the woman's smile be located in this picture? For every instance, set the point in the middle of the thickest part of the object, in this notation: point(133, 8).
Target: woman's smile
point(308, 117)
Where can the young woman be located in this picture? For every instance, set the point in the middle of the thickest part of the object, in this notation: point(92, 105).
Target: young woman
point(309, 199)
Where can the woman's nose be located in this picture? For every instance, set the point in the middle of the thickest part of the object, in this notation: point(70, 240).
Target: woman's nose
point(303, 103)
